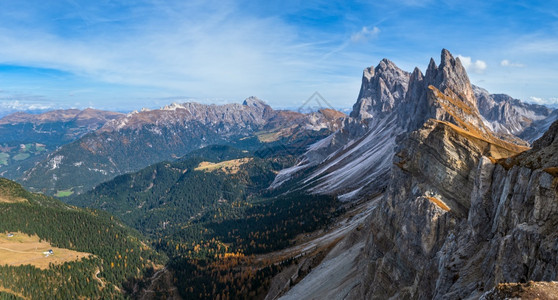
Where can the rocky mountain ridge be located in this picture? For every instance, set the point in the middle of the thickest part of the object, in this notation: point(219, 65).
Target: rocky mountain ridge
point(458, 215)
point(506, 115)
point(253, 112)
point(494, 225)
point(88, 115)
point(356, 159)
point(142, 138)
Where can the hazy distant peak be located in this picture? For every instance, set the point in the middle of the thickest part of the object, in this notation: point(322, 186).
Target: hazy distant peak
point(254, 101)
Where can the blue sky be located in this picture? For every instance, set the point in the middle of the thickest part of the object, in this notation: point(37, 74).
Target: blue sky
point(124, 55)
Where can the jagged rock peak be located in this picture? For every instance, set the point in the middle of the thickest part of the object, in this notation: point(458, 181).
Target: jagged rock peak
point(383, 87)
point(255, 102)
point(416, 75)
point(447, 58)
point(386, 64)
point(451, 74)
point(432, 67)
point(368, 73)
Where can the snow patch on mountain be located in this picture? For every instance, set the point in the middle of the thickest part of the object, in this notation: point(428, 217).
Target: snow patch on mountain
point(55, 162)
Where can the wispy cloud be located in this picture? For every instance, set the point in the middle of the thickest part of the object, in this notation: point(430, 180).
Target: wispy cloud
point(135, 51)
point(543, 101)
point(365, 33)
point(196, 49)
point(538, 45)
point(19, 105)
point(507, 63)
point(477, 66)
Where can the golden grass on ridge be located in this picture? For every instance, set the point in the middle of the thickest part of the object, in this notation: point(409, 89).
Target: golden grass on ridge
point(228, 166)
point(24, 249)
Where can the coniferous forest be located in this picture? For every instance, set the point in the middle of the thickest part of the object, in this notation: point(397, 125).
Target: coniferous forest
point(211, 224)
point(207, 226)
point(118, 252)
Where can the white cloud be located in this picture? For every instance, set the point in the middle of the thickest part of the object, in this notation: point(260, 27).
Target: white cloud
point(365, 33)
point(536, 100)
point(543, 101)
point(19, 105)
point(507, 63)
point(477, 66)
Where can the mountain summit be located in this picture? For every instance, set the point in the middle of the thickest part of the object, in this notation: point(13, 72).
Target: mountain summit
point(356, 160)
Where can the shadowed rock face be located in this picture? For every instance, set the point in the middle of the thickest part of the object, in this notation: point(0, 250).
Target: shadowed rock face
point(453, 223)
point(381, 91)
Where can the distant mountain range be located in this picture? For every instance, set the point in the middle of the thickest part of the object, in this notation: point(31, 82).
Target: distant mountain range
point(26, 139)
point(118, 143)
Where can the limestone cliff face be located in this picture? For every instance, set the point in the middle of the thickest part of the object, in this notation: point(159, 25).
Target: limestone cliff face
point(356, 160)
point(458, 217)
point(381, 91)
point(457, 220)
point(464, 208)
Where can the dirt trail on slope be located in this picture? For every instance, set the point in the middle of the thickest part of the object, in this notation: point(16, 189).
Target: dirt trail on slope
point(96, 276)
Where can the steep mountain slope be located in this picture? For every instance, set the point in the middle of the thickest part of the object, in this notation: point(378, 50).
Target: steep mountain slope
point(537, 128)
point(92, 255)
point(143, 138)
point(457, 217)
point(27, 138)
point(358, 155)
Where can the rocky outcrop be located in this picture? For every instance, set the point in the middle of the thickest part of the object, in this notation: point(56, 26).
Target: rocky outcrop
point(528, 291)
point(458, 218)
